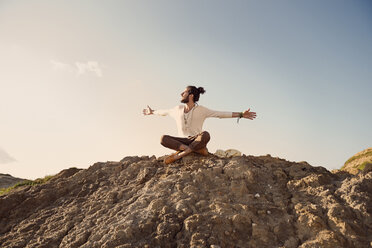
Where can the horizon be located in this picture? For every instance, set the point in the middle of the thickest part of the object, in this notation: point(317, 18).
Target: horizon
point(75, 77)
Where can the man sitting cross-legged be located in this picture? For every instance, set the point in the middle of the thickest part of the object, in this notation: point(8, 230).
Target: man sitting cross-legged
point(190, 118)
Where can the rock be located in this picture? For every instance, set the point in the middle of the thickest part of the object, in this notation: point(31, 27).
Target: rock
point(199, 201)
point(228, 153)
point(7, 180)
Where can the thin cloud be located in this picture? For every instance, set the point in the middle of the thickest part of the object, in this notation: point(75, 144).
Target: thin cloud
point(5, 157)
point(90, 66)
point(59, 66)
point(80, 68)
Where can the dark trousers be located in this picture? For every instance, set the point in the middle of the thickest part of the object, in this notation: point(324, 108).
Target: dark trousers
point(195, 143)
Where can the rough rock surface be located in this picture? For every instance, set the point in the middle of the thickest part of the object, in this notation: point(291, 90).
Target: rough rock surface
point(243, 201)
point(359, 161)
point(7, 180)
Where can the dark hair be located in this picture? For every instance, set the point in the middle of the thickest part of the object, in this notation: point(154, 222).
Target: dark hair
point(196, 92)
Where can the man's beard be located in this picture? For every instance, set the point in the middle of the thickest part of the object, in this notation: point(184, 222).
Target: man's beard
point(185, 100)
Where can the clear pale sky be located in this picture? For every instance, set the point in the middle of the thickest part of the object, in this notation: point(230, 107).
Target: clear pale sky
point(75, 76)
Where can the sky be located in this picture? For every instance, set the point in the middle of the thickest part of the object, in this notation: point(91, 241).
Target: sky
point(75, 76)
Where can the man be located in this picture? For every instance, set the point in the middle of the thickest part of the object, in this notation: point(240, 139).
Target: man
point(190, 118)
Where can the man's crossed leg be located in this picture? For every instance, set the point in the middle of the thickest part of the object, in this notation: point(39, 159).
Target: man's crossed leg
point(185, 146)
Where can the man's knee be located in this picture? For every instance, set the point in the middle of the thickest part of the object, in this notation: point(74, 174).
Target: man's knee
point(205, 136)
point(163, 139)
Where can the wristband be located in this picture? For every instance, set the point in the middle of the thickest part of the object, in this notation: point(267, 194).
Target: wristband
point(240, 116)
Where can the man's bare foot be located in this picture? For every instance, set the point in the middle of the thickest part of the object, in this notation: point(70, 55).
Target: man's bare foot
point(171, 158)
point(175, 156)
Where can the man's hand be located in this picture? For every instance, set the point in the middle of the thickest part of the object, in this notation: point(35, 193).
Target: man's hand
point(148, 111)
point(249, 115)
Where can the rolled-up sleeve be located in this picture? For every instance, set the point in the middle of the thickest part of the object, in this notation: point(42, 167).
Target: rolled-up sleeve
point(217, 114)
point(162, 112)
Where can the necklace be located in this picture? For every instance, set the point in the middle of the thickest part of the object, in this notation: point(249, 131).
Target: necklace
point(188, 115)
point(185, 117)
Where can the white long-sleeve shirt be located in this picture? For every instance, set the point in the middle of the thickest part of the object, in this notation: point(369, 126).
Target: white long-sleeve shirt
point(191, 123)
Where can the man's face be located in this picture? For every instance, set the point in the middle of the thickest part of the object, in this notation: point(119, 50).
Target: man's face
point(185, 96)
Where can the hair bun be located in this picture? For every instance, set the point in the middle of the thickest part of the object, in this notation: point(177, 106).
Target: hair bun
point(201, 90)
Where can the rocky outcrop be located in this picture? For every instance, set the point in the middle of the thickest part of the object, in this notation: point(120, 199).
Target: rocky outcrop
point(7, 180)
point(243, 201)
point(359, 161)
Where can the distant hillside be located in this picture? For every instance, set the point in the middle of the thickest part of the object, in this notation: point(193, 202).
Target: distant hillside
point(244, 201)
point(358, 161)
point(7, 180)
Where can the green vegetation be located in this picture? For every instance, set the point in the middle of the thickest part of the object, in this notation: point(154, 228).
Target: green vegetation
point(362, 166)
point(25, 183)
point(369, 153)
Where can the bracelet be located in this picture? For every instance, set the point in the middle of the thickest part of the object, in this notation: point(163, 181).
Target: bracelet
point(240, 116)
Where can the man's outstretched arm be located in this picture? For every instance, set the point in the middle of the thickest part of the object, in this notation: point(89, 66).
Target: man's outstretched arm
point(246, 114)
point(150, 111)
point(220, 114)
